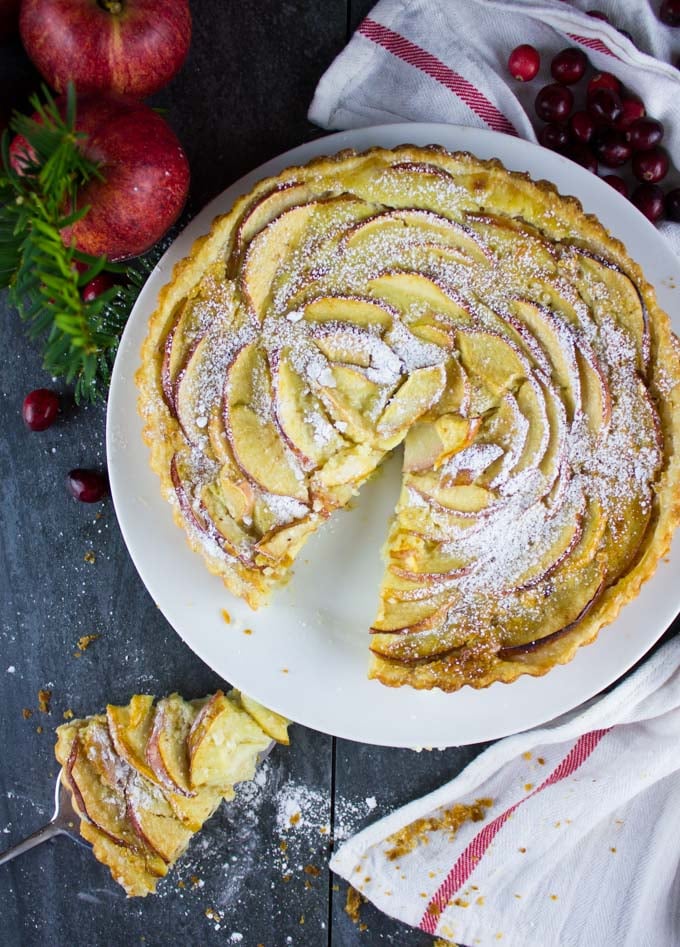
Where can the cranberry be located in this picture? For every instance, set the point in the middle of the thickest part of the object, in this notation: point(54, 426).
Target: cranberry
point(88, 486)
point(582, 155)
point(40, 409)
point(598, 15)
point(606, 105)
point(613, 180)
point(79, 266)
point(650, 165)
point(673, 204)
point(633, 109)
point(582, 126)
point(611, 148)
point(554, 103)
point(669, 12)
point(603, 80)
point(568, 66)
point(97, 286)
point(524, 62)
point(553, 136)
point(645, 134)
point(648, 198)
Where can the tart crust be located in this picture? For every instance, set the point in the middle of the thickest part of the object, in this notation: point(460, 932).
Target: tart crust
point(535, 208)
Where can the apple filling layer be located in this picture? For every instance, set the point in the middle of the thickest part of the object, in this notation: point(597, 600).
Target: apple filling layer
point(145, 777)
point(419, 298)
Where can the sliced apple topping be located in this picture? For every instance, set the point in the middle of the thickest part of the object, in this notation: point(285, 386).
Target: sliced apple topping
point(262, 456)
point(492, 359)
point(301, 417)
point(223, 744)
point(273, 724)
point(166, 751)
point(282, 543)
point(437, 301)
point(424, 225)
point(267, 252)
point(606, 290)
point(266, 208)
point(348, 309)
point(421, 390)
point(531, 403)
point(416, 295)
point(429, 444)
point(595, 392)
point(349, 466)
point(130, 729)
point(558, 343)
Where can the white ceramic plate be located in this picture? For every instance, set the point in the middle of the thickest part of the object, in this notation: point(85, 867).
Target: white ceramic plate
point(307, 655)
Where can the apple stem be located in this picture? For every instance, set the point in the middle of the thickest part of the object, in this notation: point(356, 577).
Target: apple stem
point(112, 6)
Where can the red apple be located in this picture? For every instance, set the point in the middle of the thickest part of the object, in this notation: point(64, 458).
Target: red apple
point(145, 171)
point(128, 46)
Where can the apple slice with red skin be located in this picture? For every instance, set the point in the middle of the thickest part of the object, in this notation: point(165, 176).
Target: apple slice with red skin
point(144, 176)
point(266, 208)
point(403, 290)
point(631, 309)
point(564, 543)
point(97, 803)
point(223, 744)
point(356, 310)
point(459, 236)
point(201, 520)
point(558, 343)
point(152, 818)
point(167, 380)
point(96, 743)
point(133, 47)
point(595, 391)
point(294, 408)
point(166, 751)
point(532, 646)
point(515, 238)
point(269, 249)
point(130, 727)
point(421, 390)
point(403, 618)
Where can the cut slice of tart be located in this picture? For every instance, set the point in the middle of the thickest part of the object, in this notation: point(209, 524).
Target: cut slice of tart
point(145, 777)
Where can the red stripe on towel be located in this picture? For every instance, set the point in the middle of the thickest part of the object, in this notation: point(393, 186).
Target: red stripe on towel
point(418, 57)
point(471, 856)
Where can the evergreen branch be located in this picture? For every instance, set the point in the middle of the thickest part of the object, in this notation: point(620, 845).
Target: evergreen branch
point(37, 201)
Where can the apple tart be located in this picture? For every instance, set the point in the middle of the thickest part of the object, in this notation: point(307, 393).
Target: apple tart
point(478, 318)
point(145, 777)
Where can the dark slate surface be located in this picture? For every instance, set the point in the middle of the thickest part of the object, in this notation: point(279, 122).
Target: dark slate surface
point(241, 99)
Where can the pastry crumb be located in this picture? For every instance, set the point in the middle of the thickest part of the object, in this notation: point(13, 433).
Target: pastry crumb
point(68, 714)
point(85, 641)
point(26, 713)
point(89, 557)
point(353, 904)
point(450, 820)
point(44, 698)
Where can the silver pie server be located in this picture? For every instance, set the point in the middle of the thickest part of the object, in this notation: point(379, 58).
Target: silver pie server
point(65, 821)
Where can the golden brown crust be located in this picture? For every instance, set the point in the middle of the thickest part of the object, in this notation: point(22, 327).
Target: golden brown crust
point(557, 217)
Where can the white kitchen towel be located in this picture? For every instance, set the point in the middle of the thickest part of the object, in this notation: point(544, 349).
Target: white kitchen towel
point(446, 61)
point(579, 844)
